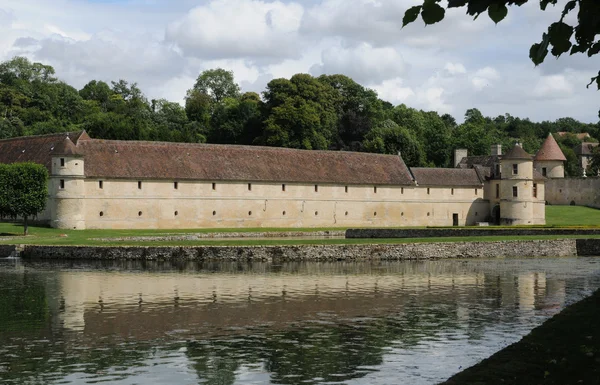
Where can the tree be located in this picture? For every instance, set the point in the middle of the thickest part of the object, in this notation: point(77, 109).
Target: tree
point(581, 37)
point(23, 191)
point(389, 138)
point(218, 84)
point(300, 113)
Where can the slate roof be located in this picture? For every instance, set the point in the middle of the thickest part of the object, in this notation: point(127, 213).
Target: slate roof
point(550, 150)
point(517, 152)
point(585, 148)
point(183, 161)
point(446, 176)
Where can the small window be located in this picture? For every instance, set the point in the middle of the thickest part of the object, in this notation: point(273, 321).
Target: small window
point(316, 188)
point(101, 213)
point(214, 186)
point(346, 189)
point(476, 191)
point(283, 187)
point(62, 162)
point(139, 213)
point(346, 213)
point(535, 190)
point(497, 191)
point(176, 185)
point(515, 169)
point(515, 192)
point(375, 214)
point(544, 171)
point(100, 184)
point(427, 190)
point(139, 185)
point(249, 213)
point(176, 213)
point(375, 189)
point(452, 191)
point(62, 183)
point(249, 186)
point(402, 214)
point(214, 213)
point(283, 213)
point(428, 214)
point(316, 213)
point(497, 170)
point(401, 190)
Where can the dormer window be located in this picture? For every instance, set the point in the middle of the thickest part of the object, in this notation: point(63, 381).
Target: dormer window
point(62, 162)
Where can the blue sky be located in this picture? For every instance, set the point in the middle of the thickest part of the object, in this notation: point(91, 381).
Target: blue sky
point(163, 46)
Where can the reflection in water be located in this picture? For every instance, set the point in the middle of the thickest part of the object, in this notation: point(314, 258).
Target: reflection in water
point(227, 323)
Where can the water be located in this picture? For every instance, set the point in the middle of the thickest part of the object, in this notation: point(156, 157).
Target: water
point(258, 323)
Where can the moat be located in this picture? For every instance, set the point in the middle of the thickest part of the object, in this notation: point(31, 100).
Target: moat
point(141, 322)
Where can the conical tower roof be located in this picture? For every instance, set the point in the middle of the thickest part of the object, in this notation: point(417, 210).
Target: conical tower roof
point(517, 152)
point(66, 147)
point(550, 150)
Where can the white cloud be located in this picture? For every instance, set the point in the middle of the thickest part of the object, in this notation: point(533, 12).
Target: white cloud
point(363, 63)
point(455, 68)
point(484, 77)
point(394, 91)
point(553, 87)
point(236, 28)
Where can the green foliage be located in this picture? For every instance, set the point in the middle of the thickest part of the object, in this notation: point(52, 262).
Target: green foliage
point(218, 84)
point(23, 190)
point(327, 112)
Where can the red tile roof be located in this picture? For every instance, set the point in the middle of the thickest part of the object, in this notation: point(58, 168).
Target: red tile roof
point(550, 150)
point(182, 161)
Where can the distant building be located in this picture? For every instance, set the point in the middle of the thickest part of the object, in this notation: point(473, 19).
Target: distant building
point(108, 184)
point(584, 152)
point(583, 136)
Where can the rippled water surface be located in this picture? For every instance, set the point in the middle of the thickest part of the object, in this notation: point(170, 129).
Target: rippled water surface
point(257, 323)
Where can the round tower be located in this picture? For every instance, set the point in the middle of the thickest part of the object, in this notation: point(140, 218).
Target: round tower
point(516, 187)
point(550, 160)
point(66, 189)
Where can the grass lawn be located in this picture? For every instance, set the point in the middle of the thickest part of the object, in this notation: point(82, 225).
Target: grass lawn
point(572, 216)
point(556, 216)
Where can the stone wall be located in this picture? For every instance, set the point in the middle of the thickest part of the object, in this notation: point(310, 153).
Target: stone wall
point(462, 232)
point(6, 250)
point(577, 191)
point(533, 248)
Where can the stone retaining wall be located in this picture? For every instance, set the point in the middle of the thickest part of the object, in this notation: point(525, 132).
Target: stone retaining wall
point(533, 248)
point(462, 232)
point(6, 250)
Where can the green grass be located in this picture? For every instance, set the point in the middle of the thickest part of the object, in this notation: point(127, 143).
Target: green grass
point(557, 216)
point(572, 216)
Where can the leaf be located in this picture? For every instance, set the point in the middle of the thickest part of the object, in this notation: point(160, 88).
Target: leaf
point(432, 12)
point(497, 12)
point(594, 49)
point(457, 3)
point(597, 80)
point(411, 15)
point(560, 35)
point(538, 51)
point(544, 3)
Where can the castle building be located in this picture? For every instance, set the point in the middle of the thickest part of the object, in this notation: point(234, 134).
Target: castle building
point(109, 184)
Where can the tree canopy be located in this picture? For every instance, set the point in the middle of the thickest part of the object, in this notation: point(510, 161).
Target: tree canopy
point(23, 190)
point(326, 112)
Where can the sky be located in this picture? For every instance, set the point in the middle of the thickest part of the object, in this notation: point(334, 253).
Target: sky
point(449, 67)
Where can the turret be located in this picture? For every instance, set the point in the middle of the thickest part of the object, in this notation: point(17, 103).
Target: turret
point(66, 189)
point(516, 187)
point(549, 160)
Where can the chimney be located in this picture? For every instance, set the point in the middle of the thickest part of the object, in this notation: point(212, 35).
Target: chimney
point(459, 153)
point(496, 149)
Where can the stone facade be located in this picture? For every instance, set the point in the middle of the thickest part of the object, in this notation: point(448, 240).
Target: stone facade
point(96, 184)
